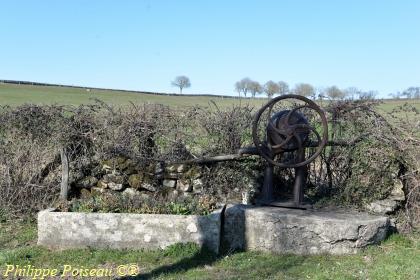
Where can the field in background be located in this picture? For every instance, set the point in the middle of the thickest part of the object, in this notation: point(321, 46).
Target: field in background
point(11, 94)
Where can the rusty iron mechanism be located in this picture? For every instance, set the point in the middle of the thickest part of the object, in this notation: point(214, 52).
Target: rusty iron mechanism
point(284, 143)
point(290, 131)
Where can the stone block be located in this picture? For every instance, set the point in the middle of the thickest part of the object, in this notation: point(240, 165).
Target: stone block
point(148, 186)
point(384, 206)
point(87, 182)
point(115, 187)
point(117, 179)
point(281, 230)
point(63, 230)
point(167, 183)
point(184, 185)
point(197, 185)
point(131, 193)
point(135, 180)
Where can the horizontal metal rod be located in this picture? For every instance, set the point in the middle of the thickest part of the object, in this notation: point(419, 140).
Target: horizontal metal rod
point(252, 151)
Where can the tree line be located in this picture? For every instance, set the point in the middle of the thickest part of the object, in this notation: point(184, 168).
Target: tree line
point(409, 93)
point(270, 88)
point(247, 86)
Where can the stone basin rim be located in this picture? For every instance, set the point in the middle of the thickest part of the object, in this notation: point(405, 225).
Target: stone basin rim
point(55, 210)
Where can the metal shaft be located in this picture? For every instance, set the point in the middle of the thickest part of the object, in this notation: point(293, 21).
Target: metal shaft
point(267, 189)
point(300, 180)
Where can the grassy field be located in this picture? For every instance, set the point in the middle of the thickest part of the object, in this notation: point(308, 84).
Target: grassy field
point(397, 258)
point(11, 94)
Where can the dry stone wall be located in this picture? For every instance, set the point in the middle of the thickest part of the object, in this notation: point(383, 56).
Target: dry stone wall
point(125, 176)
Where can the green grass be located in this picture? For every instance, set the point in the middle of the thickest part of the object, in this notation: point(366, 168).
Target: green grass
point(391, 104)
point(397, 258)
point(11, 94)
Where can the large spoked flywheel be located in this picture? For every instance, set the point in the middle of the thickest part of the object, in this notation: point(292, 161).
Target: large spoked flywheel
point(287, 125)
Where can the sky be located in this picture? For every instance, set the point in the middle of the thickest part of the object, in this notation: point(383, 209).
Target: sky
point(144, 45)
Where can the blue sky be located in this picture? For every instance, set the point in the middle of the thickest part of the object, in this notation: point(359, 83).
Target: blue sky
point(143, 45)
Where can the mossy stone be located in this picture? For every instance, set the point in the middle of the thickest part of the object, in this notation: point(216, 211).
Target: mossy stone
point(97, 191)
point(115, 163)
point(192, 173)
point(114, 178)
point(102, 184)
point(85, 193)
point(184, 185)
point(135, 180)
point(87, 182)
point(128, 166)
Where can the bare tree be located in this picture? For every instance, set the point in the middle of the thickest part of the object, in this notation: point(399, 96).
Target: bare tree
point(283, 87)
point(304, 90)
point(255, 88)
point(395, 95)
point(181, 82)
point(243, 86)
point(352, 92)
point(368, 95)
point(412, 92)
point(335, 93)
point(271, 88)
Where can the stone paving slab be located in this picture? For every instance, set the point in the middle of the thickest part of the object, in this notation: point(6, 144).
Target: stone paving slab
point(282, 230)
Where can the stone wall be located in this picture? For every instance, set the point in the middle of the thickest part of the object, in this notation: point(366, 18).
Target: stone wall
point(123, 175)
